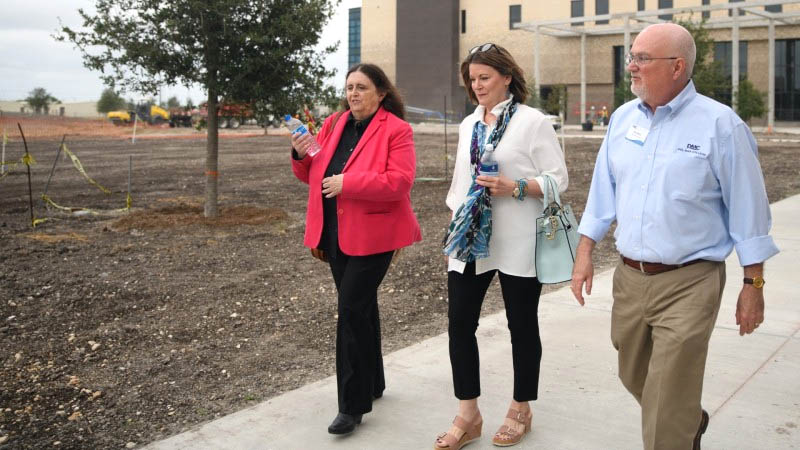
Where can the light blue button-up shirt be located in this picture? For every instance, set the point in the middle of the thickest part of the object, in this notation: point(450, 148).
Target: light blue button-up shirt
point(683, 183)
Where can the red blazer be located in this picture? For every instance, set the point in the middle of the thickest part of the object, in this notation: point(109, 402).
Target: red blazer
point(374, 208)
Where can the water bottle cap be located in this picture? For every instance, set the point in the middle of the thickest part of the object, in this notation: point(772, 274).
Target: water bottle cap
point(490, 147)
point(287, 117)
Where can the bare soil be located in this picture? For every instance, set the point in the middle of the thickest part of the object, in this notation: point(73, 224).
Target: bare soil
point(123, 328)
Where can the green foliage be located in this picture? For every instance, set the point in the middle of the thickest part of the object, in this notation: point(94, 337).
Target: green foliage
point(533, 100)
point(622, 91)
point(39, 99)
point(259, 52)
point(189, 104)
point(110, 101)
point(173, 102)
point(708, 76)
point(749, 101)
point(556, 102)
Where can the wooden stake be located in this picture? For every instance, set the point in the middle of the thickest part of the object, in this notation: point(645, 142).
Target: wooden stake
point(55, 161)
point(27, 163)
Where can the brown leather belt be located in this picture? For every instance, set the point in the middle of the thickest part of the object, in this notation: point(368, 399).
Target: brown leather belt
point(654, 268)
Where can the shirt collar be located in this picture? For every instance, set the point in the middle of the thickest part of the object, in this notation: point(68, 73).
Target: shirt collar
point(362, 124)
point(684, 97)
point(497, 110)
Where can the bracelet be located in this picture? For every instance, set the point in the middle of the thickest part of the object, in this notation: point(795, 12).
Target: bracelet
point(521, 190)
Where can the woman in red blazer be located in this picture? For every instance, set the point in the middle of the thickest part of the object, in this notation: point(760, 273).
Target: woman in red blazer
point(359, 213)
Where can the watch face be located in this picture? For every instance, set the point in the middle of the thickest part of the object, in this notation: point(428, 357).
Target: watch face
point(758, 282)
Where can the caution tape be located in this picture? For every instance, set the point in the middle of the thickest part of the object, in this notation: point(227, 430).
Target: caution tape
point(94, 212)
point(9, 167)
point(77, 163)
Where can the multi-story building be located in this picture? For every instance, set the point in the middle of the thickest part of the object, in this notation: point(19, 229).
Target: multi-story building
point(577, 44)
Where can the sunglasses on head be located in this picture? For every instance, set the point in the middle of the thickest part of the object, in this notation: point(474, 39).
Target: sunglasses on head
point(482, 48)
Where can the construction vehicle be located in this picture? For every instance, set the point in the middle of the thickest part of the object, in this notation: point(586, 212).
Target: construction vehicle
point(181, 117)
point(147, 112)
point(229, 115)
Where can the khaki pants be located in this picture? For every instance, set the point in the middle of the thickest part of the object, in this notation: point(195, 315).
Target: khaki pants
point(660, 326)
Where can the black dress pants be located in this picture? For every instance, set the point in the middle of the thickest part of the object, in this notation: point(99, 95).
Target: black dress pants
point(521, 297)
point(359, 363)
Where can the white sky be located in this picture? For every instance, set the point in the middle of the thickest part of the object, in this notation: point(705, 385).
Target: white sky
point(31, 58)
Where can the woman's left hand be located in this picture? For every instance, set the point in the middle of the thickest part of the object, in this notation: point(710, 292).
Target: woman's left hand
point(332, 186)
point(499, 186)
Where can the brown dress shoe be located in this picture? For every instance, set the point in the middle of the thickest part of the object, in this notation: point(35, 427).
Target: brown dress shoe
point(700, 430)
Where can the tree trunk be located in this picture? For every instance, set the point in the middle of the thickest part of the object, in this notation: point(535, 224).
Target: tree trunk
point(211, 28)
point(212, 154)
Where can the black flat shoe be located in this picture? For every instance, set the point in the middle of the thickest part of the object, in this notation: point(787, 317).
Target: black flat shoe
point(344, 423)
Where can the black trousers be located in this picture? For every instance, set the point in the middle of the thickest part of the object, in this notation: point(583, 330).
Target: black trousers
point(521, 297)
point(359, 363)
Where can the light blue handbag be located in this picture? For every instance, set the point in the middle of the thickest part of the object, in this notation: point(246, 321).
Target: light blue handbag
point(556, 238)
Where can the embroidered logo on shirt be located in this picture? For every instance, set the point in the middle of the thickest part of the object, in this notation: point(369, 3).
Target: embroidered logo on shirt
point(692, 149)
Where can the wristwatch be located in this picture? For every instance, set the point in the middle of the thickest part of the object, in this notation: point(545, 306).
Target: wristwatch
point(515, 194)
point(757, 282)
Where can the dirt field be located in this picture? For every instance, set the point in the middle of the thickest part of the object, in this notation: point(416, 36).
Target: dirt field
point(120, 329)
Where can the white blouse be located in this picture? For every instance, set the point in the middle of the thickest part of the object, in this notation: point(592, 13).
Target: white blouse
point(528, 148)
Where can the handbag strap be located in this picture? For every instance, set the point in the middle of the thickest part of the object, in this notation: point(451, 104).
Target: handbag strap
point(550, 184)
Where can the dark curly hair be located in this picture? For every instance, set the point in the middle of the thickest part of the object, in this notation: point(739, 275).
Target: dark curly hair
point(392, 101)
point(500, 60)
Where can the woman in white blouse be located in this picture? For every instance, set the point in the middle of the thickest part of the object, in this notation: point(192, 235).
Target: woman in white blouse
point(493, 230)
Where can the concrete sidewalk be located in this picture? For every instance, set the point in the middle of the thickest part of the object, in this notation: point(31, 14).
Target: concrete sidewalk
point(752, 386)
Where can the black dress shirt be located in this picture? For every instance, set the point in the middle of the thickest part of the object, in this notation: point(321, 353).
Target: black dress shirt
point(353, 130)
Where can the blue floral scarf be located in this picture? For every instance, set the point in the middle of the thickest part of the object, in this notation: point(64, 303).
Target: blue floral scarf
point(468, 236)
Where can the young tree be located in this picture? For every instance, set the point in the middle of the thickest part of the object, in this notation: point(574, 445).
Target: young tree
point(708, 77)
point(259, 52)
point(189, 104)
point(110, 101)
point(39, 99)
point(173, 102)
point(622, 91)
point(749, 101)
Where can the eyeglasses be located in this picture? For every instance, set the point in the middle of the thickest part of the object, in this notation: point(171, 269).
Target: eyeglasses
point(482, 48)
point(643, 60)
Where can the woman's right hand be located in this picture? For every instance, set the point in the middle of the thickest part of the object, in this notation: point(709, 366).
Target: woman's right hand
point(301, 142)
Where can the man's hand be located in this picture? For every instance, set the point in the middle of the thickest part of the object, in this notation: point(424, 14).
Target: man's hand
point(749, 309)
point(583, 271)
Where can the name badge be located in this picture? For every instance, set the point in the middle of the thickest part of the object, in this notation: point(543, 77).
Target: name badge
point(637, 134)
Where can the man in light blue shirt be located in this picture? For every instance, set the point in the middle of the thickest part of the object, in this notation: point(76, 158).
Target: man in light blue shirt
point(679, 173)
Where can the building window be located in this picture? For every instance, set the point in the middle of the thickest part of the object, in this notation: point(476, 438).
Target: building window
point(640, 5)
point(787, 79)
point(600, 8)
point(354, 37)
point(706, 14)
point(723, 54)
point(463, 21)
point(665, 4)
point(514, 15)
point(576, 11)
point(774, 8)
point(619, 64)
point(730, 11)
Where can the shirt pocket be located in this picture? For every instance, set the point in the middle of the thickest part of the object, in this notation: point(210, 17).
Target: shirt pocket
point(689, 170)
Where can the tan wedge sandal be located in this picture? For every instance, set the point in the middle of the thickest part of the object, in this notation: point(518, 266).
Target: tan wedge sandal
point(505, 436)
point(472, 431)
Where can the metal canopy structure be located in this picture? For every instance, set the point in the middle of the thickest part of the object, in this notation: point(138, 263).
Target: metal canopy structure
point(635, 21)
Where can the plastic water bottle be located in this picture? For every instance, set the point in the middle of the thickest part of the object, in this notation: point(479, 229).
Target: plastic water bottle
point(489, 165)
point(296, 126)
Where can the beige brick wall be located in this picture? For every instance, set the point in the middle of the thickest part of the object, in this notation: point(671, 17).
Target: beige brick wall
point(379, 35)
point(560, 56)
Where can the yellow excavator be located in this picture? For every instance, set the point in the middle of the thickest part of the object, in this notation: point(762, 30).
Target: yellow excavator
point(147, 112)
